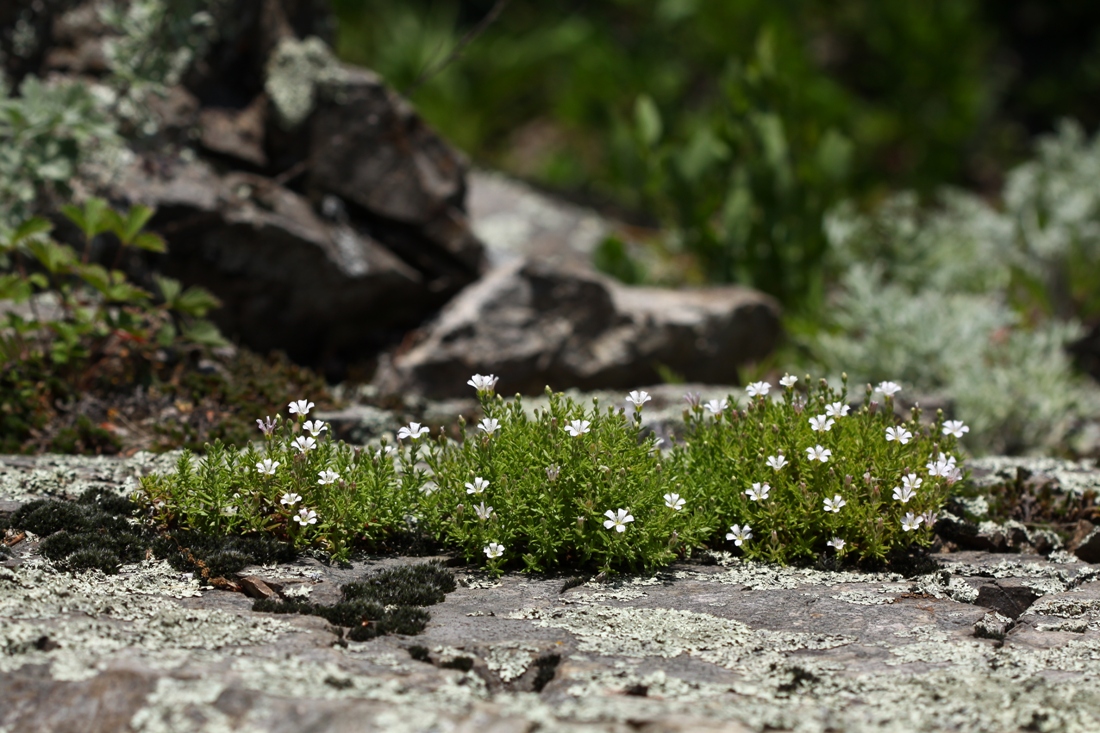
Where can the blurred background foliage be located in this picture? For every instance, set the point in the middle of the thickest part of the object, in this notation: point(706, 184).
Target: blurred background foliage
point(914, 181)
point(736, 125)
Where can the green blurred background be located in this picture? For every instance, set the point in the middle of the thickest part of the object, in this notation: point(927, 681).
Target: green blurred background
point(734, 125)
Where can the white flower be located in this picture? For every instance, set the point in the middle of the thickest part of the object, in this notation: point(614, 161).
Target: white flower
point(716, 406)
point(758, 492)
point(304, 444)
point(267, 426)
point(387, 450)
point(955, 427)
point(692, 398)
point(578, 427)
point(817, 453)
point(777, 462)
point(618, 521)
point(290, 499)
point(739, 534)
point(267, 467)
point(904, 494)
point(837, 409)
point(821, 423)
point(314, 427)
point(833, 505)
point(939, 468)
point(757, 388)
point(478, 486)
point(305, 516)
point(493, 550)
point(929, 517)
point(412, 430)
point(639, 398)
point(552, 472)
point(943, 466)
point(889, 389)
point(836, 543)
point(301, 407)
point(788, 381)
point(673, 501)
point(327, 477)
point(483, 382)
point(901, 435)
point(490, 425)
point(911, 521)
point(483, 512)
point(911, 481)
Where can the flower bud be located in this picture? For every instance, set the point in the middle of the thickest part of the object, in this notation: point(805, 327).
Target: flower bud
point(872, 407)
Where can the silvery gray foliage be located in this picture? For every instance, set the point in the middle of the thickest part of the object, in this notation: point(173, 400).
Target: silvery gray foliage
point(48, 134)
point(931, 297)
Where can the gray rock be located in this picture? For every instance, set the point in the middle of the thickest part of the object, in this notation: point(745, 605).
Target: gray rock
point(1088, 549)
point(1010, 597)
point(534, 323)
point(516, 221)
point(993, 626)
point(288, 279)
point(728, 646)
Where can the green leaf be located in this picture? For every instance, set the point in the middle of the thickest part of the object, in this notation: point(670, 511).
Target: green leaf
point(203, 333)
point(14, 287)
point(129, 227)
point(33, 227)
point(166, 335)
point(92, 220)
point(169, 288)
point(56, 258)
point(196, 301)
point(647, 118)
point(150, 242)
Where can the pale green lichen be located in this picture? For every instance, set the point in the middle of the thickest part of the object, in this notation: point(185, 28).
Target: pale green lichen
point(1072, 477)
point(23, 478)
point(295, 72)
point(88, 616)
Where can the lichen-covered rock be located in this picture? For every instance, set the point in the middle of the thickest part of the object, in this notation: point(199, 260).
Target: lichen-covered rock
point(725, 646)
point(992, 626)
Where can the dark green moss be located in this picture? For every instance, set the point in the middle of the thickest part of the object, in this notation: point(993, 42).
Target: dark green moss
point(90, 533)
point(220, 556)
point(464, 664)
point(382, 603)
point(410, 585)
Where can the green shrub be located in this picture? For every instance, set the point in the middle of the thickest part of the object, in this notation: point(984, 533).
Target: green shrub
point(588, 488)
point(567, 487)
point(300, 485)
point(797, 475)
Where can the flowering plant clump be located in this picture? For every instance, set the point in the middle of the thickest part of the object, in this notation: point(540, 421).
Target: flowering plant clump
point(568, 487)
point(299, 484)
point(800, 474)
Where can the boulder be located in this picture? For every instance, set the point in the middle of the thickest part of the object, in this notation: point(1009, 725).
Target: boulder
point(289, 279)
point(536, 323)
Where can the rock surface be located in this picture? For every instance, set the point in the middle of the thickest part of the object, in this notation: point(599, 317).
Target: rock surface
point(727, 646)
point(536, 323)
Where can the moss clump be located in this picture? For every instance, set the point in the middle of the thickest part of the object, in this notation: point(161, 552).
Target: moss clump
point(220, 556)
point(383, 603)
point(92, 532)
point(413, 585)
